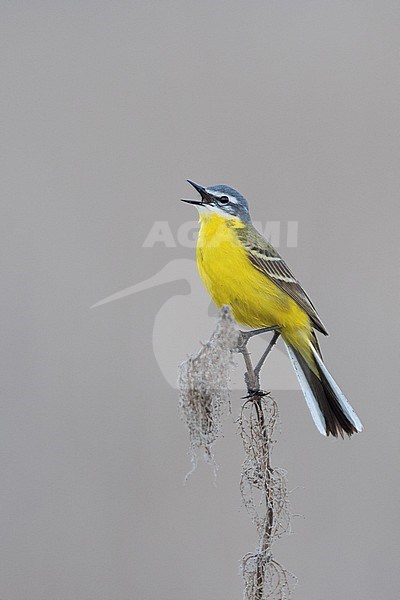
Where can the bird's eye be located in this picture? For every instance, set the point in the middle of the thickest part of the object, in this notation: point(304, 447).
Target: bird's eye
point(223, 200)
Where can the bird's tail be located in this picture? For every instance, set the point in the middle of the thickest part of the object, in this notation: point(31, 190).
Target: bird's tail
point(329, 408)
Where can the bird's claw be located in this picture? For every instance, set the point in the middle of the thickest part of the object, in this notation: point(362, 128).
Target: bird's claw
point(255, 394)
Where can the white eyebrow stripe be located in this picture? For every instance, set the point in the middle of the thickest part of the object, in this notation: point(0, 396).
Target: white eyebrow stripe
point(221, 195)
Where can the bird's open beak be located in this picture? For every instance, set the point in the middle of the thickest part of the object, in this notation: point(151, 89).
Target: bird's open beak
point(206, 198)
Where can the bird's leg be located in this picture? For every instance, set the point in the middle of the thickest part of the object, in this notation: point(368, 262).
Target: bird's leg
point(271, 344)
point(252, 375)
point(246, 335)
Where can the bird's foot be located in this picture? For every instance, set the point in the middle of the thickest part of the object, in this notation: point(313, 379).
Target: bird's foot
point(255, 394)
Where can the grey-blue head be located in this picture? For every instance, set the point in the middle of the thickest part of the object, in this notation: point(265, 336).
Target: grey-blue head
point(221, 199)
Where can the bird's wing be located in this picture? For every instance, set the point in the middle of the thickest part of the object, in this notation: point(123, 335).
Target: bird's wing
point(266, 259)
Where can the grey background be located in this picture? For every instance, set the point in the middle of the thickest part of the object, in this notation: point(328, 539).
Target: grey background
point(107, 107)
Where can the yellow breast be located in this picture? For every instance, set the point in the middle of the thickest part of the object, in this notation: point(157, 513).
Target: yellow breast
point(230, 278)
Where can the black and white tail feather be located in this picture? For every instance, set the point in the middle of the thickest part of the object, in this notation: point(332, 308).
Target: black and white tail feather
point(329, 408)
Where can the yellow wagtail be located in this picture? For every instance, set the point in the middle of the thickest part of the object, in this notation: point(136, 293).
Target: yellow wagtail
point(240, 268)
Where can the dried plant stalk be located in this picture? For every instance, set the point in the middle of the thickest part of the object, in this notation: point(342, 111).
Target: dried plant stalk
point(204, 399)
point(265, 497)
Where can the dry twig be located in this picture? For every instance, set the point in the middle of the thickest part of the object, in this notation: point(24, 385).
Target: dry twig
point(204, 398)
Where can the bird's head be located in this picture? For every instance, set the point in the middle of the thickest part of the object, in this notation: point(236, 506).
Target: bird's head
point(220, 199)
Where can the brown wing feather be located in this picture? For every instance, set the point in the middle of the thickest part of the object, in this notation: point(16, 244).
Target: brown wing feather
point(267, 260)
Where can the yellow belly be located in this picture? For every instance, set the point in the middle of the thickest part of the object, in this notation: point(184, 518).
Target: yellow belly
point(230, 278)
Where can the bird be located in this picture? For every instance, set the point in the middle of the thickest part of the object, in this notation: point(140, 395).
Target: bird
point(241, 269)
